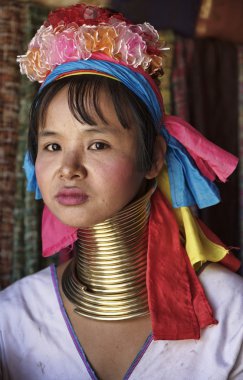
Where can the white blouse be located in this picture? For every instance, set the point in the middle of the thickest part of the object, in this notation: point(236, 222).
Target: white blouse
point(37, 340)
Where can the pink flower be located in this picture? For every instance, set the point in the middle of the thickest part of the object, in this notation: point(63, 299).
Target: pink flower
point(130, 47)
point(63, 49)
point(146, 31)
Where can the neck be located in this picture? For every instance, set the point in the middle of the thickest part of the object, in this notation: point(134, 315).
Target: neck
point(107, 278)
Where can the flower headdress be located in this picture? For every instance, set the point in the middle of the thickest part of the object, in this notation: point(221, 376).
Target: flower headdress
point(77, 32)
point(86, 39)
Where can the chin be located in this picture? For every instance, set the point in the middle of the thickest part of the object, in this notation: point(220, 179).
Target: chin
point(74, 223)
point(77, 223)
point(83, 219)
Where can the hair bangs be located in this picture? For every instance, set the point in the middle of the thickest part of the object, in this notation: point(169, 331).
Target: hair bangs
point(83, 99)
point(84, 94)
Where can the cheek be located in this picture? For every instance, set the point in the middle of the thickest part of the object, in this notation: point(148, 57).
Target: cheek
point(38, 166)
point(41, 171)
point(120, 173)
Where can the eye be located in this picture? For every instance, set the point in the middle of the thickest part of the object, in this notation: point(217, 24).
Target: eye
point(53, 147)
point(98, 146)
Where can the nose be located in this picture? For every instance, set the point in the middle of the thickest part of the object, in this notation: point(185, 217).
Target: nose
point(72, 168)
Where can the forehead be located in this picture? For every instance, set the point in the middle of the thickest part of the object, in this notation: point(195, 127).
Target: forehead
point(60, 120)
point(91, 101)
point(101, 112)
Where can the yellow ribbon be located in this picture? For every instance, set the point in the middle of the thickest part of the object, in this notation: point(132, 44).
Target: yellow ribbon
point(198, 247)
point(85, 72)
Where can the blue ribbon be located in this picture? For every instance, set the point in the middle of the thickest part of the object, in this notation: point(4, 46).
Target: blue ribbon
point(29, 169)
point(135, 81)
point(188, 186)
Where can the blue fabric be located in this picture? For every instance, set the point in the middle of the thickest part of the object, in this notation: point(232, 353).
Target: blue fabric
point(29, 169)
point(131, 79)
point(188, 186)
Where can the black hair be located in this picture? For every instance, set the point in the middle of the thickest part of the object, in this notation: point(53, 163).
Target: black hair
point(83, 99)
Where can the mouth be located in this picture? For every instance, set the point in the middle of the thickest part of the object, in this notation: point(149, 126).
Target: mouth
point(71, 197)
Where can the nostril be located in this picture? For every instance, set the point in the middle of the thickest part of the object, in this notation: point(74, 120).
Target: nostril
point(69, 172)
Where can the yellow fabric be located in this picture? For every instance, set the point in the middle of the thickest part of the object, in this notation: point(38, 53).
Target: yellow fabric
point(70, 74)
point(198, 247)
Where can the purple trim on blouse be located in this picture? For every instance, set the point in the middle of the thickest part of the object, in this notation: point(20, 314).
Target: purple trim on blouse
point(138, 357)
point(76, 341)
point(69, 325)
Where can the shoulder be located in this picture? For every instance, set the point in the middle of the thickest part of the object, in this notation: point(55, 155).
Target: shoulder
point(221, 284)
point(35, 336)
point(25, 295)
point(218, 352)
point(26, 284)
point(219, 274)
point(224, 291)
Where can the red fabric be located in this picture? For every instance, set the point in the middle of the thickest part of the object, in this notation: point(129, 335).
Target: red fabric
point(177, 302)
point(81, 14)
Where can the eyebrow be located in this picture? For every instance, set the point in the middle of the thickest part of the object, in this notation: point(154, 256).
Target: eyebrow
point(44, 133)
point(95, 129)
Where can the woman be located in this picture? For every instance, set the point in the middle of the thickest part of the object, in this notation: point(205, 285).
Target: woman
point(99, 143)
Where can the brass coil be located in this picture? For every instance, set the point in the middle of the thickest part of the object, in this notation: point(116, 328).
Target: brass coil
point(107, 278)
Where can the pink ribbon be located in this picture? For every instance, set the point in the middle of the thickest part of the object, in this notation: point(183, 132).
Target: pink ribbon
point(211, 160)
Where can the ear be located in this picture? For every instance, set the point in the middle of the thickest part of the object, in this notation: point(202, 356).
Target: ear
point(158, 157)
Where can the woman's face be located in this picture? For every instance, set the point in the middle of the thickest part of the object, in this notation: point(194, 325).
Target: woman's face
point(86, 174)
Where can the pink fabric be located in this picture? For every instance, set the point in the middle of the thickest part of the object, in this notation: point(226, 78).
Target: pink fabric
point(210, 159)
point(55, 235)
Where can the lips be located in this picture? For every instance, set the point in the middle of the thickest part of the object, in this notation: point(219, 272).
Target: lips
point(71, 197)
